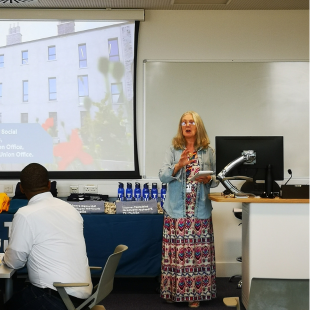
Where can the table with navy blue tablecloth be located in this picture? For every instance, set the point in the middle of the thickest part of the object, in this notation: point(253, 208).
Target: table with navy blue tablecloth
point(103, 232)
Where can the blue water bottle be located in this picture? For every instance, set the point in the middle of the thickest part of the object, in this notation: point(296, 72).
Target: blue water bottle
point(146, 192)
point(137, 193)
point(129, 192)
point(120, 192)
point(163, 194)
point(154, 191)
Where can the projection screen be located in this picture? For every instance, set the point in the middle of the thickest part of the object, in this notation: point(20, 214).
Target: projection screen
point(67, 97)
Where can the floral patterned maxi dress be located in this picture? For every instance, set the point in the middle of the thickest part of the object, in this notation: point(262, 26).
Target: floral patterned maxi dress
point(188, 257)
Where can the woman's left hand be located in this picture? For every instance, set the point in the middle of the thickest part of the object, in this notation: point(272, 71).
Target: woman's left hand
point(204, 179)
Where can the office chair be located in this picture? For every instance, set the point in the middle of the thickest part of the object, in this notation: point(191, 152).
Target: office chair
point(103, 288)
point(288, 294)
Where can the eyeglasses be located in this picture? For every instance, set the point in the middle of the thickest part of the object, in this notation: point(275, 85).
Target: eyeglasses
point(192, 123)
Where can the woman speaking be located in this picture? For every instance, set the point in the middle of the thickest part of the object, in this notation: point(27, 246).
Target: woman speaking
point(188, 257)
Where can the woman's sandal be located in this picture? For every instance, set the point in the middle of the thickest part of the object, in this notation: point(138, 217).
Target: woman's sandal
point(194, 304)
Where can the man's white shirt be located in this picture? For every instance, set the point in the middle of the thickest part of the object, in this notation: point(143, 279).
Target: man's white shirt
point(47, 234)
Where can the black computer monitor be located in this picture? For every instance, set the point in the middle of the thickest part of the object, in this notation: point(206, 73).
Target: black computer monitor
point(268, 150)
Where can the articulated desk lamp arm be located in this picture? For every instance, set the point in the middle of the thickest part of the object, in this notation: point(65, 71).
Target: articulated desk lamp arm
point(246, 157)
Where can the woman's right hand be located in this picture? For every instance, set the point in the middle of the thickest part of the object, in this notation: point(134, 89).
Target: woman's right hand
point(183, 161)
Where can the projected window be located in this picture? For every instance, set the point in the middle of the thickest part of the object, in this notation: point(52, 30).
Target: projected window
point(82, 56)
point(1, 61)
point(51, 52)
point(25, 91)
point(113, 50)
point(53, 130)
point(83, 120)
point(52, 89)
point(24, 117)
point(117, 93)
point(83, 86)
point(24, 57)
point(83, 115)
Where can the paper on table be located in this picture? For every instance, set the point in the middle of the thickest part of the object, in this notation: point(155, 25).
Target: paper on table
point(201, 174)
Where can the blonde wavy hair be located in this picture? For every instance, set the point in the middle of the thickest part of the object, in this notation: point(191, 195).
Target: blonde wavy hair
point(202, 139)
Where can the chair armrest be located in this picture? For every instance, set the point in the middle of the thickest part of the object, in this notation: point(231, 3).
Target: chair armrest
point(95, 268)
point(63, 294)
point(59, 284)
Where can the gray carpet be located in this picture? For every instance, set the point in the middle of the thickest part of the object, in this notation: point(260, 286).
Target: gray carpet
point(142, 293)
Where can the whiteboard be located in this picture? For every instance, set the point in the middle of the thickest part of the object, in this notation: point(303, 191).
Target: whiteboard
point(233, 98)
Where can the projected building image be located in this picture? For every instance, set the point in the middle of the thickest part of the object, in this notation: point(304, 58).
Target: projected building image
point(77, 84)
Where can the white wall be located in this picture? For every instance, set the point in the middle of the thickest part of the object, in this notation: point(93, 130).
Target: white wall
point(213, 35)
point(220, 35)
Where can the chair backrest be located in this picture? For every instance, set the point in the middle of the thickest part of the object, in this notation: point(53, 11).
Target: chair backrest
point(105, 284)
point(279, 294)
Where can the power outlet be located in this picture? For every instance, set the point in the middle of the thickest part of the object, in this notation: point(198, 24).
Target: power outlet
point(91, 189)
point(8, 189)
point(74, 189)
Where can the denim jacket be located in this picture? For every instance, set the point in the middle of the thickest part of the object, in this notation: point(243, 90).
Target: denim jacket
point(176, 191)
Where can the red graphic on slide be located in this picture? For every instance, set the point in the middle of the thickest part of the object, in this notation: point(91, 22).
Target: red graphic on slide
point(48, 123)
point(69, 151)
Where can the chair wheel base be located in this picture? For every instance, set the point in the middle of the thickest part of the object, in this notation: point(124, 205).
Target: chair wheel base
point(239, 285)
point(233, 277)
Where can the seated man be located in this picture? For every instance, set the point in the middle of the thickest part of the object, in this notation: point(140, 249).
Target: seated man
point(47, 234)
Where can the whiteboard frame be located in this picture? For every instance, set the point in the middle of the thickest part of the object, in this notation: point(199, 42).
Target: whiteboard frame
point(145, 61)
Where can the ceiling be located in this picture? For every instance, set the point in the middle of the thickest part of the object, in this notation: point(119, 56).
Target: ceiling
point(161, 4)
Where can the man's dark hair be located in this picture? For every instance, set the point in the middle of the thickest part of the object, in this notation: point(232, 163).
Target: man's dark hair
point(34, 177)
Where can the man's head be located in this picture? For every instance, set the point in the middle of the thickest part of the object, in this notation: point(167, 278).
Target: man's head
point(34, 180)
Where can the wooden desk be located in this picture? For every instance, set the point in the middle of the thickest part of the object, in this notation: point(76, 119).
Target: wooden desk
point(275, 239)
point(6, 273)
point(218, 197)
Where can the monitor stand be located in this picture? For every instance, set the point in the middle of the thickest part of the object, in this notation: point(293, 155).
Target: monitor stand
point(258, 188)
